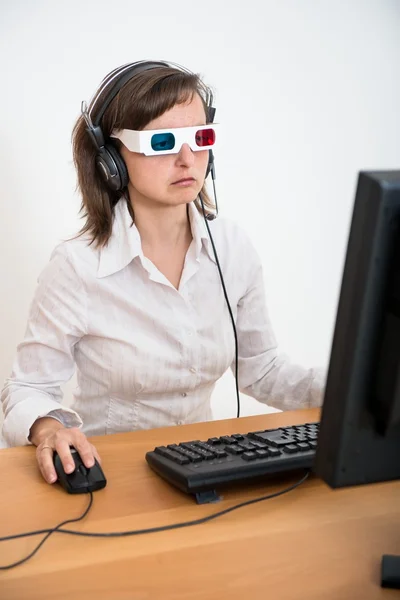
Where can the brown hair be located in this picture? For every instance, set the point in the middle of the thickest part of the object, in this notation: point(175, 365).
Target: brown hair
point(146, 96)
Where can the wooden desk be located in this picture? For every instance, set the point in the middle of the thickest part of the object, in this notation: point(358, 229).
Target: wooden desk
point(312, 543)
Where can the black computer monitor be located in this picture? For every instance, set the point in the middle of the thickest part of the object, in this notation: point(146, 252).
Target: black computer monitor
point(359, 438)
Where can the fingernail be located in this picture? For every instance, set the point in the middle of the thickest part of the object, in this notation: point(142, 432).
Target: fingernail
point(89, 463)
point(69, 468)
point(51, 478)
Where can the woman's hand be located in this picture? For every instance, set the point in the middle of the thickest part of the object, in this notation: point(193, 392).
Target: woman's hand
point(50, 435)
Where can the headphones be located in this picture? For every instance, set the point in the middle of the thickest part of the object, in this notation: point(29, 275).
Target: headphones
point(109, 162)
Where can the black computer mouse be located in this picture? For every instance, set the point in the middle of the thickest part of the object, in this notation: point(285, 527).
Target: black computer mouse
point(82, 479)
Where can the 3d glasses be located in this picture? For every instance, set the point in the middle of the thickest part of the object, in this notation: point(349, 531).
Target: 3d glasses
point(152, 142)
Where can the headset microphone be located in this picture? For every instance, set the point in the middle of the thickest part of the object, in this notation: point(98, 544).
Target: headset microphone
point(211, 168)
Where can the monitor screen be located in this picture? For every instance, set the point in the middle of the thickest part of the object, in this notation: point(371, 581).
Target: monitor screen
point(359, 439)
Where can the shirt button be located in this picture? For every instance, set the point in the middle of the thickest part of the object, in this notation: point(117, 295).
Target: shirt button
point(184, 394)
point(193, 370)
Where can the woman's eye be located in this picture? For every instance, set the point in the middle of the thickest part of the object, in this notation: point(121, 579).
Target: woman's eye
point(206, 137)
point(160, 145)
point(162, 141)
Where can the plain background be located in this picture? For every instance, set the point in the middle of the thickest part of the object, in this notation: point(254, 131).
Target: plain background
point(308, 93)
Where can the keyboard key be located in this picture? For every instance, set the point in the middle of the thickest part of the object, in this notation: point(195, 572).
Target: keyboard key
point(303, 446)
point(291, 449)
point(192, 446)
point(177, 457)
point(274, 452)
point(301, 431)
point(249, 456)
point(192, 456)
point(258, 444)
point(220, 453)
point(227, 439)
point(214, 440)
point(275, 438)
point(205, 446)
point(172, 455)
point(247, 445)
point(262, 453)
point(290, 431)
point(188, 446)
point(234, 449)
point(205, 453)
point(237, 436)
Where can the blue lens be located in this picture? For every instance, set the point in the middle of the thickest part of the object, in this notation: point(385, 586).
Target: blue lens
point(162, 141)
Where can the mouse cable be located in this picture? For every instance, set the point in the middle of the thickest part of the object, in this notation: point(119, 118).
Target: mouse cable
point(48, 533)
point(137, 531)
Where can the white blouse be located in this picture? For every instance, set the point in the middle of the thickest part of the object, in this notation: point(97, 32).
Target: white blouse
point(147, 355)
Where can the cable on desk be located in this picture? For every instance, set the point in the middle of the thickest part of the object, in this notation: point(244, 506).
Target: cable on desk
point(48, 534)
point(137, 531)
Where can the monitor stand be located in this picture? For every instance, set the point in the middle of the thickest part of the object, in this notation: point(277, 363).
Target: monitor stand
point(390, 573)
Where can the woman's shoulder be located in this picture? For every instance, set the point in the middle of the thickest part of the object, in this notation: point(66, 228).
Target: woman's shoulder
point(231, 233)
point(234, 246)
point(79, 252)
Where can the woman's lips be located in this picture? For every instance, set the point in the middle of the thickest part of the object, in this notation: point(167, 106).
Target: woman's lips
point(187, 181)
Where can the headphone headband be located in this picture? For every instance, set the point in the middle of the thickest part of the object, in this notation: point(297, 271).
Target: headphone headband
point(131, 70)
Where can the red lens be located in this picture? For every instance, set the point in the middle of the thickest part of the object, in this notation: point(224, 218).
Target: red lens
point(205, 137)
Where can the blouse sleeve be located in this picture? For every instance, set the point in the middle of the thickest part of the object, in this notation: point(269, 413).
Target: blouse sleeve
point(45, 358)
point(264, 373)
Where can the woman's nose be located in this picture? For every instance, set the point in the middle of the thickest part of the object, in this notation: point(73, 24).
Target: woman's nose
point(185, 156)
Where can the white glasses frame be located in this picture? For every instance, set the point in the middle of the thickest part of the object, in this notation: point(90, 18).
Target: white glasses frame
point(140, 141)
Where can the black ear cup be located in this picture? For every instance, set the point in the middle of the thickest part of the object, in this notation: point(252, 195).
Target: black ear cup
point(121, 166)
point(112, 169)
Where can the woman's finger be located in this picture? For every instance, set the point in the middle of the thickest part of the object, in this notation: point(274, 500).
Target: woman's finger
point(63, 443)
point(85, 449)
point(44, 455)
point(96, 454)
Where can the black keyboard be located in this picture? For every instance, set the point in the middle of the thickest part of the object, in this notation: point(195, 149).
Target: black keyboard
point(198, 467)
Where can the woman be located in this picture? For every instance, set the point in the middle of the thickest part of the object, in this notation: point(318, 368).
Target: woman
point(135, 301)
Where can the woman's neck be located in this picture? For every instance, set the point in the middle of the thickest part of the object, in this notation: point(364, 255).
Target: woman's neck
point(162, 227)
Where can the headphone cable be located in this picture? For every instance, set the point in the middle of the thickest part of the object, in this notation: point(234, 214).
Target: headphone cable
point(223, 286)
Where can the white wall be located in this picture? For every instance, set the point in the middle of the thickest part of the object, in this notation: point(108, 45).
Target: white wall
point(313, 85)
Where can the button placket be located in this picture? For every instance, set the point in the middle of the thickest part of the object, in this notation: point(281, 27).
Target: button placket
point(192, 336)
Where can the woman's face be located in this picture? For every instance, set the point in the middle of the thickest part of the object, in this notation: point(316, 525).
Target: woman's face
point(157, 180)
